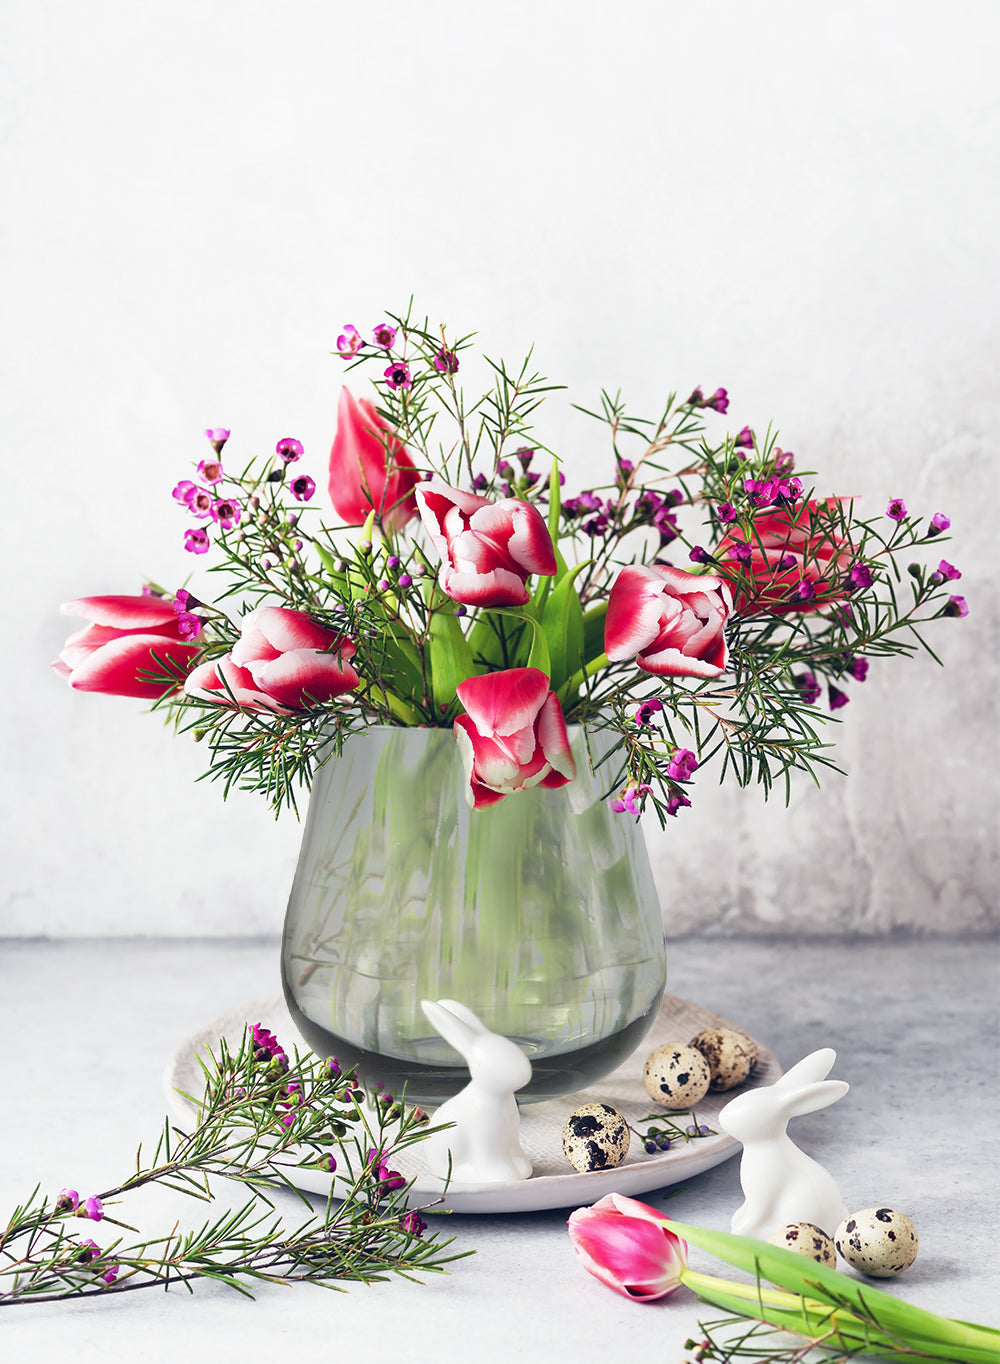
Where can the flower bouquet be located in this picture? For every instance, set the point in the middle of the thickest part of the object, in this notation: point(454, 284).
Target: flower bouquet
point(482, 671)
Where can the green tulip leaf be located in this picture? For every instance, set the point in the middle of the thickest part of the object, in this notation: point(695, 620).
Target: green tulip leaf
point(450, 657)
point(562, 622)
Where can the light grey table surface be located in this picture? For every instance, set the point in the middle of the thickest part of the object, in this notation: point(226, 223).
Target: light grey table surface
point(88, 1026)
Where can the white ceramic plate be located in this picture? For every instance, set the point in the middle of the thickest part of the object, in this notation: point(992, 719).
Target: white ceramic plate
point(552, 1185)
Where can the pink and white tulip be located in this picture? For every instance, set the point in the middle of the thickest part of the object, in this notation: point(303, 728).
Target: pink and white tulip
point(794, 562)
point(629, 1246)
point(488, 549)
point(127, 636)
point(670, 621)
point(370, 468)
point(513, 736)
point(282, 662)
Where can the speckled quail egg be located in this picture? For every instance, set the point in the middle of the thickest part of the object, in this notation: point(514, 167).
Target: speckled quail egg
point(676, 1076)
point(595, 1137)
point(805, 1238)
point(878, 1241)
point(730, 1055)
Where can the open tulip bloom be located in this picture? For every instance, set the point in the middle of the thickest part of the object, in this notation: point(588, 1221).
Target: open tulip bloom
point(700, 600)
point(642, 1255)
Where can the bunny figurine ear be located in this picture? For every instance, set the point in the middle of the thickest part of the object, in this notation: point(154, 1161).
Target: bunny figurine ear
point(455, 1028)
point(816, 1066)
point(809, 1098)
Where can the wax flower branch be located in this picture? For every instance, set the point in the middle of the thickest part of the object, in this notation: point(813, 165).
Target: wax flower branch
point(699, 602)
point(262, 1115)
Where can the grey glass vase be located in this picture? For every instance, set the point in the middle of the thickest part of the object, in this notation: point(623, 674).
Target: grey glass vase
point(539, 913)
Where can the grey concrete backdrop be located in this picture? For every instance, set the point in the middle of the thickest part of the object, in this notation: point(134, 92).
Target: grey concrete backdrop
point(796, 202)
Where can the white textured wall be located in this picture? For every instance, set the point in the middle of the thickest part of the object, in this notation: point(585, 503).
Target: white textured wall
point(798, 202)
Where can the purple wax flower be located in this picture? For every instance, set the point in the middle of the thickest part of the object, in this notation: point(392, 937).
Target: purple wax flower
point(383, 335)
point(414, 1224)
point(858, 668)
point(210, 470)
point(67, 1201)
point(289, 449)
point(696, 399)
point(939, 522)
point(726, 513)
point(761, 492)
point(505, 469)
point(302, 488)
point(327, 1162)
point(480, 483)
point(838, 698)
point(784, 461)
point(266, 1046)
point(808, 686)
point(226, 512)
point(92, 1208)
point(88, 1251)
point(525, 455)
point(700, 555)
point(956, 606)
point(628, 801)
point(745, 439)
point(446, 361)
point(405, 580)
point(860, 576)
point(804, 590)
point(217, 437)
point(682, 764)
point(349, 342)
point(947, 571)
point(196, 541)
point(111, 1273)
point(647, 710)
point(790, 489)
point(740, 550)
point(896, 510)
point(719, 400)
point(188, 624)
point(597, 525)
point(675, 802)
point(398, 376)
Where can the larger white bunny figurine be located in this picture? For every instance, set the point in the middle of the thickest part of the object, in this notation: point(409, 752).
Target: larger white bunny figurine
point(485, 1143)
point(782, 1184)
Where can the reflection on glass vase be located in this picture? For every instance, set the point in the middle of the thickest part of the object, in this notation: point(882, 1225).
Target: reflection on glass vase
point(539, 913)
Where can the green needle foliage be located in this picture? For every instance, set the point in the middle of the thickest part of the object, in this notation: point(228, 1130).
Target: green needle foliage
point(260, 1118)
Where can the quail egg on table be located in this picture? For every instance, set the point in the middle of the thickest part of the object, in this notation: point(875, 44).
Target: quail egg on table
point(805, 1238)
point(731, 1056)
point(676, 1076)
point(595, 1137)
point(878, 1241)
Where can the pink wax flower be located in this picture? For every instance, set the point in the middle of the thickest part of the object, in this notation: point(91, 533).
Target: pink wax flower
point(946, 571)
point(226, 512)
point(838, 698)
point(675, 801)
point(513, 735)
point(413, 1223)
point(197, 541)
point(939, 523)
point(111, 1273)
point(719, 400)
point(745, 439)
point(282, 662)
point(302, 488)
point(398, 376)
point(682, 765)
point(209, 471)
point(956, 606)
point(628, 801)
point(184, 491)
point(112, 652)
point(896, 510)
point(349, 342)
point(370, 469)
point(488, 549)
point(647, 709)
point(858, 668)
point(199, 502)
point(629, 1246)
point(384, 336)
point(88, 1251)
point(788, 546)
point(289, 449)
point(446, 361)
point(761, 492)
point(91, 1208)
point(67, 1201)
point(670, 621)
point(217, 437)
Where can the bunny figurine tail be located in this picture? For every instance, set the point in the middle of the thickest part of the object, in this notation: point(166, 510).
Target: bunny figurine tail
point(780, 1182)
point(483, 1144)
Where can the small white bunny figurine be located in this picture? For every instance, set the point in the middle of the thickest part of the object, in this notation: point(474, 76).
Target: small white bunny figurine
point(782, 1184)
point(485, 1143)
